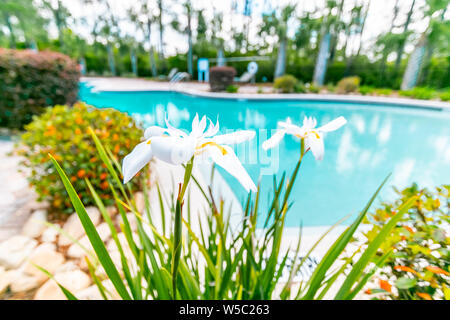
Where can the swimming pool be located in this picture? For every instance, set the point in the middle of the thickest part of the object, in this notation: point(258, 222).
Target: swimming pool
point(412, 143)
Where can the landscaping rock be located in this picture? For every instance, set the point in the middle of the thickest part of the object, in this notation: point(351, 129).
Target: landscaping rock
point(112, 211)
point(22, 282)
point(66, 267)
point(74, 281)
point(75, 251)
point(35, 226)
point(74, 227)
point(39, 205)
point(49, 235)
point(132, 220)
point(15, 250)
point(46, 257)
point(4, 281)
point(111, 244)
point(90, 293)
point(140, 201)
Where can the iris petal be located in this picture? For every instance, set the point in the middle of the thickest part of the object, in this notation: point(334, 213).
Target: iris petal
point(274, 140)
point(231, 163)
point(173, 150)
point(153, 131)
point(333, 125)
point(136, 160)
point(315, 143)
point(234, 137)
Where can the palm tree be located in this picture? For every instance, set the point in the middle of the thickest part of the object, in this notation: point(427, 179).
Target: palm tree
point(401, 45)
point(327, 29)
point(275, 25)
point(161, 29)
point(60, 16)
point(21, 18)
point(143, 18)
point(187, 29)
point(415, 61)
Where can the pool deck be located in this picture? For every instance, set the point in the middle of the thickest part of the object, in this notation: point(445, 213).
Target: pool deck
point(250, 92)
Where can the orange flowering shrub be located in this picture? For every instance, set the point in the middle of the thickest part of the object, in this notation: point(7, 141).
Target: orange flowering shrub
point(419, 267)
point(63, 132)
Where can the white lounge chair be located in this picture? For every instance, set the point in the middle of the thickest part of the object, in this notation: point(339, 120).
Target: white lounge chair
point(245, 77)
point(180, 76)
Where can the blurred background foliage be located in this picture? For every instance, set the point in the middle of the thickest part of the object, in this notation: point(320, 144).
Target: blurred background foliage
point(110, 50)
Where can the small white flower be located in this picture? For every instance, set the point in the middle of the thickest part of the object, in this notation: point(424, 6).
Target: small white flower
point(174, 146)
point(313, 136)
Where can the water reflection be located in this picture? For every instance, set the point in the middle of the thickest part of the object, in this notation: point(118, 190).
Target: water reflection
point(412, 144)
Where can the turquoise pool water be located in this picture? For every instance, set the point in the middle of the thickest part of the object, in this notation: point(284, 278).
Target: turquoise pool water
point(412, 143)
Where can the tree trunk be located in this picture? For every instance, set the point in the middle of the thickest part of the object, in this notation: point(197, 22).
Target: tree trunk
point(344, 48)
point(112, 63)
point(161, 30)
point(151, 54)
point(401, 46)
point(189, 57)
point(383, 66)
point(320, 68)
point(12, 37)
point(336, 31)
point(423, 75)
point(362, 29)
point(133, 59)
point(280, 68)
point(59, 24)
point(414, 64)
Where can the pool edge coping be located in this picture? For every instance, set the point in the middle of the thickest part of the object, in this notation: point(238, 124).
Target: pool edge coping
point(403, 102)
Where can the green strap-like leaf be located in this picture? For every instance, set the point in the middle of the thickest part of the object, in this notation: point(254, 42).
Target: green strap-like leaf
point(94, 238)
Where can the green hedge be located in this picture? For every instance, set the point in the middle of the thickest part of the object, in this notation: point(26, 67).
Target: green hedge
point(31, 81)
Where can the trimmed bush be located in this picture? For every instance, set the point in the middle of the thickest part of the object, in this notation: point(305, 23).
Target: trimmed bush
point(366, 90)
point(63, 132)
point(418, 93)
point(445, 96)
point(383, 91)
point(221, 77)
point(31, 81)
point(286, 83)
point(312, 88)
point(348, 84)
point(232, 89)
point(300, 88)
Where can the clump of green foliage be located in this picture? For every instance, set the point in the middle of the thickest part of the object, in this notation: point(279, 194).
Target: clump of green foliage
point(364, 90)
point(383, 91)
point(286, 83)
point(311, 88)
point(419, 266)
point(423, 93)
point(232, 88)
point(348, 84)
point(445, 96)
point(330, 87)
point(300, 88)
point(63, 132)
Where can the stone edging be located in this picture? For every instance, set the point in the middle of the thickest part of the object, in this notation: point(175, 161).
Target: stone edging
point(178, 87)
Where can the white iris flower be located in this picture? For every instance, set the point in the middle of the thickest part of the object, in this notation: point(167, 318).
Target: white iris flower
point(312, 136)
point(174, 146)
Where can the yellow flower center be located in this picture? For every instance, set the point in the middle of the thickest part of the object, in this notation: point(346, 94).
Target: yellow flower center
point(308, 133)
point(201, 147)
